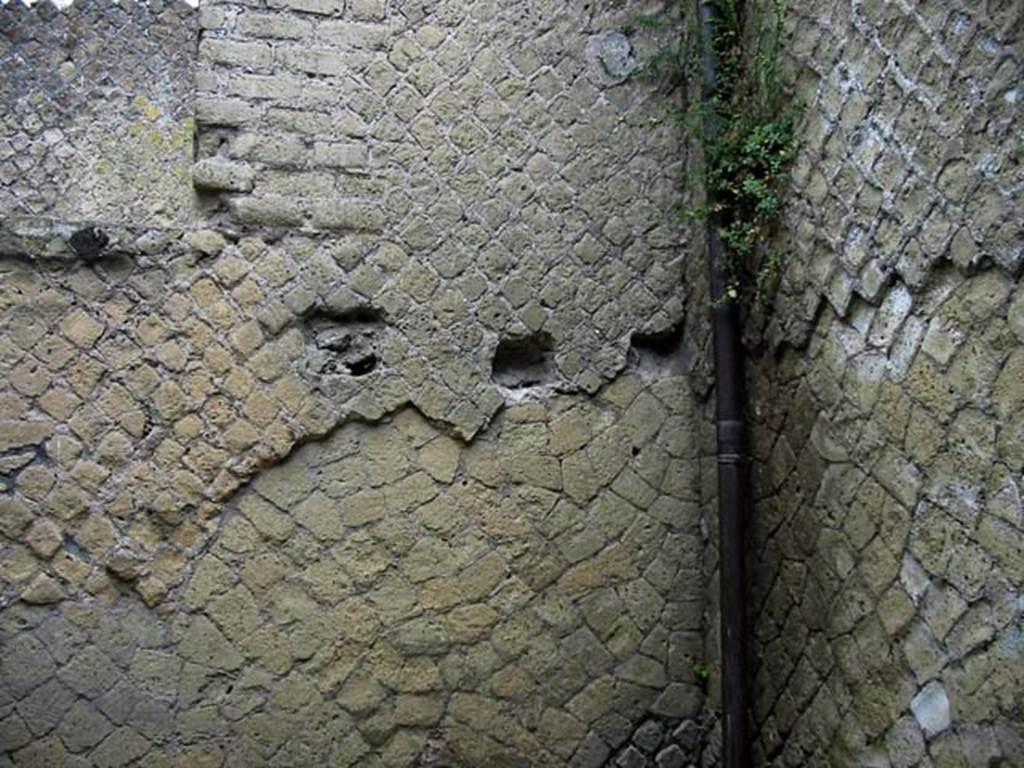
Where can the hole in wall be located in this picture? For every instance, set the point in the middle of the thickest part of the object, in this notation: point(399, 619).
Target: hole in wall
point(524, 361)
point(363, 365)
point(361, 314)
point(345, 344)
point(659, 355)
point(89, 243)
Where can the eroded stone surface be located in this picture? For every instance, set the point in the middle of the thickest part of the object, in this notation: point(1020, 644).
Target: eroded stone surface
point(354, 599)
point(888, 523)
point(96, 118)
point(228, 539)
point(155, 381)
point(262, 502)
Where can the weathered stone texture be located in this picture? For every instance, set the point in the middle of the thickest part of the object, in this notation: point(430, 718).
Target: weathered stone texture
point(263, 500)
point(887, 552)
point(385, 582)
point(268, 495)
point(909, 149)
point(450, 130)
point(96, 111)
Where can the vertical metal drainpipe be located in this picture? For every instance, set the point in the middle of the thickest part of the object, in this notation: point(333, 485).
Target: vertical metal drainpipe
point(733, 499)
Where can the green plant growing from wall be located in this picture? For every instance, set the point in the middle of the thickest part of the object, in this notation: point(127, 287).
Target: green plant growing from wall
point(701, 674)
point(743, 124)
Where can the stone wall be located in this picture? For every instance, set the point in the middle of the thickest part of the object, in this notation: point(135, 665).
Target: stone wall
point(96, 120)
point(353, 400)
point(887, 546)
point(369, 443)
